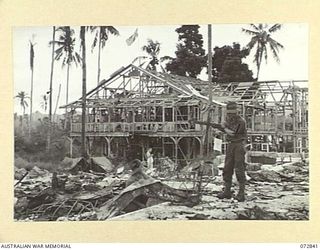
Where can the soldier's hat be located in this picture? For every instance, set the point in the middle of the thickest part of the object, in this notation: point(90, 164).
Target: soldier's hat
point(231, 107)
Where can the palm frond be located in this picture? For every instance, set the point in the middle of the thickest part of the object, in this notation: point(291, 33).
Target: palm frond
point(275, 43)
point(274, 53)
point(91, 28)
point(112, 30)
point(95, 41)
point(254, 26)
point(250, 32)
point(254, 40)
point(275, 27)
point(139, 58)
point(265, 52)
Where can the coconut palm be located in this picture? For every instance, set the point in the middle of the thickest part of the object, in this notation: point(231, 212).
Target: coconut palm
point(152, 49)
point(101, 37)
point(261, 40)
point(66, 51)
point(84, 91)
point(50, 88)
point(32, 44)
point(22, 96)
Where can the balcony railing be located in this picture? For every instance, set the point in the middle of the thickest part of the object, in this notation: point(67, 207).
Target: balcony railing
point(138, 127)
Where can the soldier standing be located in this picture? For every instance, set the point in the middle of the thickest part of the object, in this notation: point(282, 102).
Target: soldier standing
point(235, 128)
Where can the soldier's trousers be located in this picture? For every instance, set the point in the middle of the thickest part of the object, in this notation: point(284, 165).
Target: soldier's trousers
point(235, 162)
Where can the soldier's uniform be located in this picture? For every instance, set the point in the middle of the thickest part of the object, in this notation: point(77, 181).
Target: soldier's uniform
point(235, 153)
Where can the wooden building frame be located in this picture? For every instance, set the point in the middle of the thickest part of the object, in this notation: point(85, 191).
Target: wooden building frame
point(139, 108)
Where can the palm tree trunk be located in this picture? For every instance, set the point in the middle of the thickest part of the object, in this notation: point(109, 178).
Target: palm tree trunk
point(258, 70)
point(67, 87)
point(50, 90)
point(259, 64)
point(84, 91)
point(31, 95)
point(206, 139)
point(57, 102)
point(67, 98)
point(99, 52)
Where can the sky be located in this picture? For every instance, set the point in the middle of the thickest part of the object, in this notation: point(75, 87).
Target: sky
point(293, 59)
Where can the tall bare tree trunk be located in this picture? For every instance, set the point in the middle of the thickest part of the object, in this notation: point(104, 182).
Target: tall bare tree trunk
point(66, 125)
point(67, 87)
point(57, 102)
point(259, 64)
point(31, 96)
point(84, 91)
point(206, 139)
point(50, 90)
point(99, 52)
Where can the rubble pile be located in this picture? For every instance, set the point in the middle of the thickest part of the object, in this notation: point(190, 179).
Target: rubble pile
point(70, 195)
point(273, 192)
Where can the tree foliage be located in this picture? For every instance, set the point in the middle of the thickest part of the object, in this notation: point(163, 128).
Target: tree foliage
point(261, 40)
point(66, 43)
point(102, 35)
point(152, 48)
point(22, 96)
point(33, 148)
point(100, 39)
point(66, 51)
point(190, 55)
point(227, 65)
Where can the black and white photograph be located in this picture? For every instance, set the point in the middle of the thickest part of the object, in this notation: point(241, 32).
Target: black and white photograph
point(161, 122)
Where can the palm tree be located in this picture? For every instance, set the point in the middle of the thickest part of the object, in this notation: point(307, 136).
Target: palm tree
point(53, 42)
point(66, 51)
point(84, 91)
point(101, 37)
point(152, 49)
point(31, 87)
point(261, 39)
point(22, 99)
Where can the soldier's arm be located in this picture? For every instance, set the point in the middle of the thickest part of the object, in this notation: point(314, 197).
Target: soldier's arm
point(227, 130)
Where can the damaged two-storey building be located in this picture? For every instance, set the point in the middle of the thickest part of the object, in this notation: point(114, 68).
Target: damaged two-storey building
point(136, 109)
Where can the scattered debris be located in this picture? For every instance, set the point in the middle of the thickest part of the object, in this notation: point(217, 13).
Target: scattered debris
point(129, 192)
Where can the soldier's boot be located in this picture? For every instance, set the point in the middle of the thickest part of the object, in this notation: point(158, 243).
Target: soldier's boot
point(226, 194)
point(241, 194)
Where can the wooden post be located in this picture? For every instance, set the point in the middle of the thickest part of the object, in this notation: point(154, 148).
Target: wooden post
point(294, 120)
point(163, 114)
point(253, 119)
point(50, 90)
point(276, 118)
point(175, 141)
point(142, 156)
point(284, 119)
point(108, 145)
point(163, 151)
point(71, 146)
